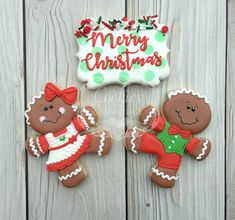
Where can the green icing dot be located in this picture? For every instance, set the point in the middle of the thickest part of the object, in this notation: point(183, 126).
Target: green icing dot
point(98, 78)
point(123, 77)
point(163, 63)
point(96, 50)
point(148, 75)
point(159, 36)
point(107, 41)
point(149, 50)
point(121, 49)
point(83, 66)
point(82, 40)
point(135, 66)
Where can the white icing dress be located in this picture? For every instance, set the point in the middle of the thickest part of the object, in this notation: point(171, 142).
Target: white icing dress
point(65, 146)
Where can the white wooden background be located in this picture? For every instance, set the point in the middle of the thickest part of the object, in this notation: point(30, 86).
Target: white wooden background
point(37, 45)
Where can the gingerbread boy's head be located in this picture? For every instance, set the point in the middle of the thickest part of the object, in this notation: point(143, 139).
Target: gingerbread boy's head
point(52, 110)
point(188, 110)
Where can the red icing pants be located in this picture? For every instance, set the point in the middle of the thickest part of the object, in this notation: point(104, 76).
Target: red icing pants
point(150, 144)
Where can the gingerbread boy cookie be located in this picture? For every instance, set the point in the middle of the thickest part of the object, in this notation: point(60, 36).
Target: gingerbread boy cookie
point(184, 113)
point(53, 114)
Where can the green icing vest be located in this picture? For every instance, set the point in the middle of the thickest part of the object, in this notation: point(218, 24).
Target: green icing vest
point(172, 143)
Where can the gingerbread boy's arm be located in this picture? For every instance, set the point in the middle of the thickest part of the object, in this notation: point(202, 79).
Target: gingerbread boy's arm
point(37, 146)
point(198, 148)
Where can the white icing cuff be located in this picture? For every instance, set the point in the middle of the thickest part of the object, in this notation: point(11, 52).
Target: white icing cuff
point(84, 122)
point(74, 107)
point(101, 147)
point(164, 176)
point(39, 146)
point(70, 175)
point(150, 114)
point(89, 116)
point(35, 152)
point(133, 137)
point(205, 145)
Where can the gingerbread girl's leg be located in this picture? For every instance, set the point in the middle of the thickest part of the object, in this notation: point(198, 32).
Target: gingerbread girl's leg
point(100, 144)
point(72, 175)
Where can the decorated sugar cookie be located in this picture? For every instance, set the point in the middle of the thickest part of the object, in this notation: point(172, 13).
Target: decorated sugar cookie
point(64, 133)
point(184, 114)
point(122, 51)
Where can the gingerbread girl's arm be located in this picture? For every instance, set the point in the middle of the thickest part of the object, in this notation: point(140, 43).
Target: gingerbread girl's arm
point(37, 146)
point(198, 148)
point(86, 119)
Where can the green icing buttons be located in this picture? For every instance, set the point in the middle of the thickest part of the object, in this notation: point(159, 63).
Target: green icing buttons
point(123, 77)
point(98, 78)
point(83, 66)
point(82, 40)
point(148, 75)
point(96, 50)
point(159, 36)
point(164, 62)
point(149, 50)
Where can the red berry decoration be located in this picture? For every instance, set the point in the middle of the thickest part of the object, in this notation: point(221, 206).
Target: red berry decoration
point(131, 22)
point(86, 30)
point(164, 29)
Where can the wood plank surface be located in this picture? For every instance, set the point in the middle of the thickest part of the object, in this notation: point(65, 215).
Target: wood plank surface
point(12, 157)
point(197, 61)
point(230, 113)
point(51, 50)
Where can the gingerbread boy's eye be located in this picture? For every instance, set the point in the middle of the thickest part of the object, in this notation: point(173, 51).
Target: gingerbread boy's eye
point(45, 108)
point(188, 106)
point(50, 106)
point(193, 109)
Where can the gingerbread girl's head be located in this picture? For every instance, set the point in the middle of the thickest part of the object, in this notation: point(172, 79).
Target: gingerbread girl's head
point(52, 110)
point(188, 110)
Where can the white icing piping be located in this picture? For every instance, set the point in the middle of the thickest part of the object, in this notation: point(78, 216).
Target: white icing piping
point(101, 147)
point(35, 152)
point(84, 122)
point(187, 91)
point(146, 120)
point(199, 157)
point(39, 145)
point(74, 107)
point(70, 175)
point(29, 106)
point(132, 140)
point(89, 115)
point(164, 176)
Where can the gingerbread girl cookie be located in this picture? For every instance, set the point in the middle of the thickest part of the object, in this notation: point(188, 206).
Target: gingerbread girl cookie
point(184, 113)
point(53, 114)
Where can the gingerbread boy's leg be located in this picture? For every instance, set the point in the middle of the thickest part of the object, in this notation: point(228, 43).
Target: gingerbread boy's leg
point(72, 175)
point(100, 144)
point(165, 172)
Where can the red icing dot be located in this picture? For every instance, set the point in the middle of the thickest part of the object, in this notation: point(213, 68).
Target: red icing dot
point(86, 30)
point(131, 22)
point(164, 29)
point(85, 21)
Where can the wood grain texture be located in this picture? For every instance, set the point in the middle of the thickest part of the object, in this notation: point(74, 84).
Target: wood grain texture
point(12, 157)
point(230, 120)
point(197, 60)
point(51, 50)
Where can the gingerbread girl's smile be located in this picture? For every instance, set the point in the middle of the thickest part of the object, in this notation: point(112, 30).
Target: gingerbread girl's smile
point(185, 123)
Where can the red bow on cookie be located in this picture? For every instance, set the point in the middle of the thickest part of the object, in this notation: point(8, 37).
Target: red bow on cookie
point(174, 129)
point(69, 95)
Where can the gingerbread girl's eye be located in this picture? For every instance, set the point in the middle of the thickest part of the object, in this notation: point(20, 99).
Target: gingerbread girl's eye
point(50, 106)
point(45, 108)
point(188, 106)
point(193, 109)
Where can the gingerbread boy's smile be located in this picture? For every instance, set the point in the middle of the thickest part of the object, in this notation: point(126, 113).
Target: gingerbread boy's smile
point(183, 122)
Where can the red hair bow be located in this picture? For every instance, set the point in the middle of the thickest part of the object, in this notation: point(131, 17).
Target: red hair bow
point(69, 95)
point(174, 129)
